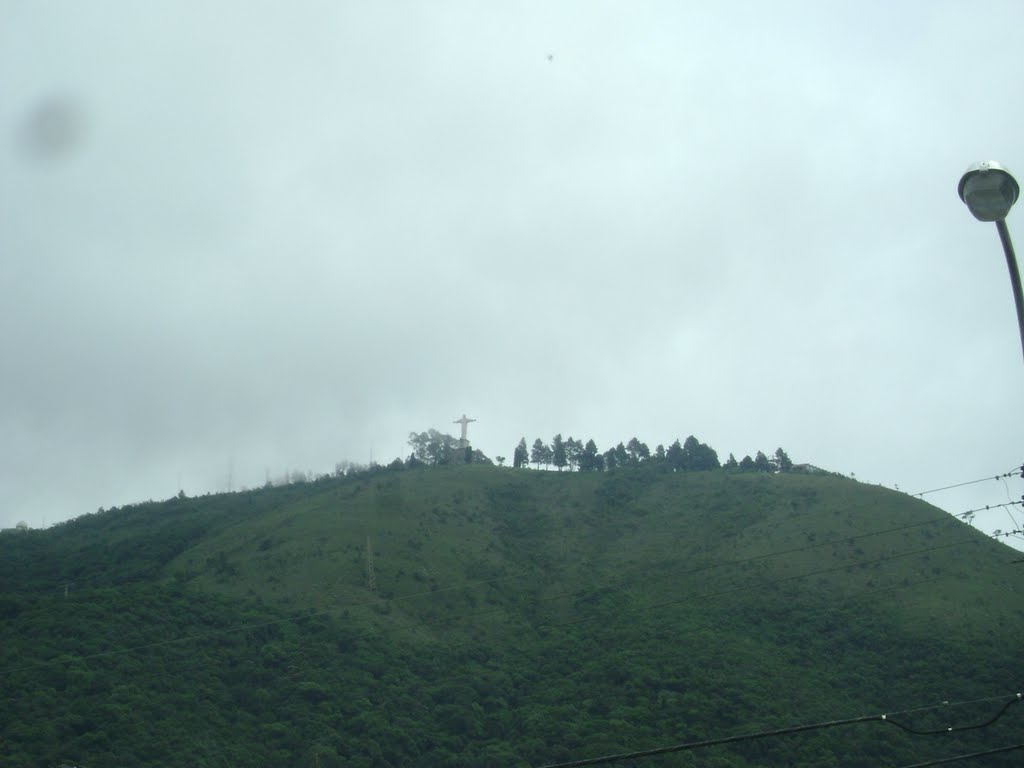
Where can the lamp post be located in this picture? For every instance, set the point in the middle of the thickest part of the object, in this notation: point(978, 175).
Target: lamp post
point(990, 191)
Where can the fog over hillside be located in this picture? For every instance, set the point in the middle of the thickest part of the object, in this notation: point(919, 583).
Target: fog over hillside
point(247, 239)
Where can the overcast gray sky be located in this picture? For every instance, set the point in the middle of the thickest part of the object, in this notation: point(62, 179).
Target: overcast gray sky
point(241, 238)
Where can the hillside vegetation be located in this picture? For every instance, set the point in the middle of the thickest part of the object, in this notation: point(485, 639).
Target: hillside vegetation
point(516, 618)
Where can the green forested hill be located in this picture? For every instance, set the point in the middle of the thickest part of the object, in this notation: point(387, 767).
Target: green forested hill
point(517, 618)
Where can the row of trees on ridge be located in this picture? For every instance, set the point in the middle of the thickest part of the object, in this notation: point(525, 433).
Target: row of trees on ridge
point(434, 448)
point(690, 455)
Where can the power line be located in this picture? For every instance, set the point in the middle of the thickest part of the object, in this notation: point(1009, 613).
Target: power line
point(968, 517)
point(1016, 471)
point(971, 756)
point(958, 729)
point(987, 508)
point(1016, 533)
point(951, 704)
point(757, 735)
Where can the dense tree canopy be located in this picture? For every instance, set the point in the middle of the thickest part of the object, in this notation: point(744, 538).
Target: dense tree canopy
point(540, 453)
point(434, 448)
point(590, 459)
point(519, 619)
point(558, 453)
point(521, 457)
point(690, 455)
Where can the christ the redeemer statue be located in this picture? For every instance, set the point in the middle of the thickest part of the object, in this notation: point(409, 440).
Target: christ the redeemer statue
point(463, 442)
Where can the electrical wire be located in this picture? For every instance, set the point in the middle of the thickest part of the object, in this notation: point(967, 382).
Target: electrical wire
point(958, 729)
point(987, 508)
point(1010, 503)
point(968, 517)
point(951, 704)
point(970, 756)
point(1016, 471)
point(757, 735)
point(1017, 534)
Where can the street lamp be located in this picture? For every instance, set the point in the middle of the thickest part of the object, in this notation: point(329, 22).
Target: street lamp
point(990, 191)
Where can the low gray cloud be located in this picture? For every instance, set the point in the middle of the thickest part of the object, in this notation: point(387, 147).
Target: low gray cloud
point(245, 239)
